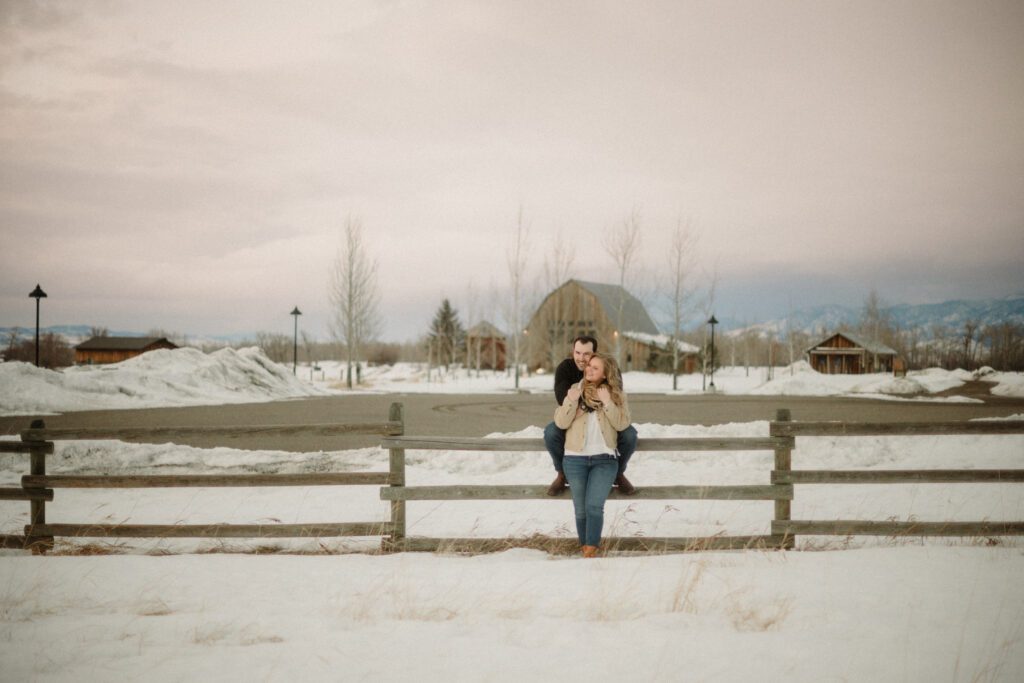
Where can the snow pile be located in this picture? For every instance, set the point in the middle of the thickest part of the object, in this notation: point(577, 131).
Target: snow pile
point(176, 377)
point(1007, 383)
point(802, 380)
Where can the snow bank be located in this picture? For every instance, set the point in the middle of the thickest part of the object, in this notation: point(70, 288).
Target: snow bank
point(1007, 383)
point(189, 377)
point(159, 378)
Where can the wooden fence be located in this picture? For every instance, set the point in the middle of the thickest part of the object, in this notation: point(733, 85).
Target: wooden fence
point(38, 487)
point(783, 427)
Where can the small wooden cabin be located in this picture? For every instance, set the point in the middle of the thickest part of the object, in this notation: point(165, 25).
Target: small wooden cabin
point(657, 349)
point(846, 354)
point(102, 350)
point(485, 347)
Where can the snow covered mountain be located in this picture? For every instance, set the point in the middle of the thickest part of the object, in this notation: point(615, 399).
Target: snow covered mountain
point(949, 314)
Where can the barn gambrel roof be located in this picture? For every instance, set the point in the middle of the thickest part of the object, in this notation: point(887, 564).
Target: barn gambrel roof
point(634, 316)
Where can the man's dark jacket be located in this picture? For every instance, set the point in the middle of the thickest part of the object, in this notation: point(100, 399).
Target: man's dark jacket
point(566, 374)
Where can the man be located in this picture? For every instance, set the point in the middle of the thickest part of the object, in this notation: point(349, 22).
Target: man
point(569, 372)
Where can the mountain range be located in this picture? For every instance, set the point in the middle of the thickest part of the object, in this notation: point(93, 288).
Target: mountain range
point(812, 320)
point(948, 314)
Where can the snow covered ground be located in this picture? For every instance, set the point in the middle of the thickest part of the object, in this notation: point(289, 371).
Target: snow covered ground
point(327, 609)
point(189, 377)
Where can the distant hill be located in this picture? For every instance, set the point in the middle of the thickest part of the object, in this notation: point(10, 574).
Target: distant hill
point(949, 314)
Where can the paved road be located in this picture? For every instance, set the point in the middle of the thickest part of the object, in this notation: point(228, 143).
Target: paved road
point(478, 415)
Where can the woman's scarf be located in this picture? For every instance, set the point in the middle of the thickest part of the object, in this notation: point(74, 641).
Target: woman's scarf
point(589, 397)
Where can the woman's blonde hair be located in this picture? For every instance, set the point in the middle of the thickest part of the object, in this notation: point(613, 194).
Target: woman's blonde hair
point(612, 377)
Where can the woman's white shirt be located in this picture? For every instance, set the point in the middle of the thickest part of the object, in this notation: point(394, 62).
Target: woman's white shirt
point(593, 441)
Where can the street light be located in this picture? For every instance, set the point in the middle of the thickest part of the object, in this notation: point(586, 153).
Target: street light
point(295, 348)
point(712, 322)
point(37, 294)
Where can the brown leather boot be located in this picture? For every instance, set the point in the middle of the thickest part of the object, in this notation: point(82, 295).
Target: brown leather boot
point(558, 485)
point(625, 488)
point(589, 551)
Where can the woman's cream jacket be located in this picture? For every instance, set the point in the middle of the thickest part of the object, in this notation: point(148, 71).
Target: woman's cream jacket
point(612, 419)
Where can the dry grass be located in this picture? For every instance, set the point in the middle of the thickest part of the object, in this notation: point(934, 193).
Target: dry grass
point(684, 597)
point(758, 616)
point(155, 608)
point(72, 549)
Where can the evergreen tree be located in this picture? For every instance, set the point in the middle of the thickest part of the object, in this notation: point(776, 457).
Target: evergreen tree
point(447, 336)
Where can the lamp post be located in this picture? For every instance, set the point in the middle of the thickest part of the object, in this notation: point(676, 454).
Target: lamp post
point(37, 294)
point(712, 322)
point(295, 348)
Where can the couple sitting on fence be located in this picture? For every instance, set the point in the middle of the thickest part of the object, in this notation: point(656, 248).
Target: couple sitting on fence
point(591, 439)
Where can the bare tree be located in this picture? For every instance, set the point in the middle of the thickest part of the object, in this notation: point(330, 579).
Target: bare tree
point(473, 318)
point(622, 242)
point(354, 295)
point(557, 269)
point(682, 259)
point(516, 260)
point(969, 344)
point(277, 347)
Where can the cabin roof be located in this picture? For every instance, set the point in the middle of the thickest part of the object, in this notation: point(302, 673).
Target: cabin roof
point(485, 330)
point(122, 343)
point(868, 345)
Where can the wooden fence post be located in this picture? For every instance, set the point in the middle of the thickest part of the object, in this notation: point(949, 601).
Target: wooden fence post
point(37, 508)
point(397, 478)
point(783, 463)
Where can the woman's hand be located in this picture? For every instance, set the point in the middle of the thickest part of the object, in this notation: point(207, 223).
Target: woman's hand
point(604, 395)
point(574, 393)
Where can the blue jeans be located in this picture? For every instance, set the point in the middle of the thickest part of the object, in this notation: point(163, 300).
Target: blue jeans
point(554, 441)
point(590, 480)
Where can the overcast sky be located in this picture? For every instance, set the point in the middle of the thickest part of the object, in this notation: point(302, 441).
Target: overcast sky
point(190, 165)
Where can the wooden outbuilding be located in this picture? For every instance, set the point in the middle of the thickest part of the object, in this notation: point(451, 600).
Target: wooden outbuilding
point(485, 347)
point(592, 308)
point(844, 353)
point(102, 350)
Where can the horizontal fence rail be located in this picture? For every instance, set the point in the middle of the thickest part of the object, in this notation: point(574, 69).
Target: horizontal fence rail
point(445, 443)
point(531, 492)
point(23, 447)
point(782, 428)
point(26, 494)
point(214, 530)
point(171, 433)
point(867, 528)
point(896, 476)
point(138, 481)
point(568, 545)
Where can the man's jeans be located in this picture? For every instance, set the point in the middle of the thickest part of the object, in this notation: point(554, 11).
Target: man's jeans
point(590, 480)
point(554, 441)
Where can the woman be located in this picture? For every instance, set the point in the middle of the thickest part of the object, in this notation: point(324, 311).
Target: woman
point(593, 413)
